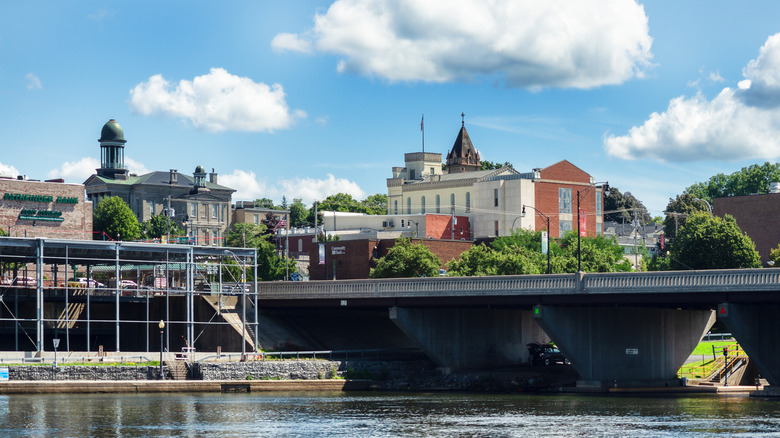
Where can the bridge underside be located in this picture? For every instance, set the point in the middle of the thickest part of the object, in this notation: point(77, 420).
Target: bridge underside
point(755, 327)
point(625, 346)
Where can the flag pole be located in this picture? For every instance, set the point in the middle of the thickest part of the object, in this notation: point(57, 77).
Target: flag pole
point(422, 129)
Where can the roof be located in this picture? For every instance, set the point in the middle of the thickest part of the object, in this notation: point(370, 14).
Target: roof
point(112, 132)
point(161, 178)
point(462, 150)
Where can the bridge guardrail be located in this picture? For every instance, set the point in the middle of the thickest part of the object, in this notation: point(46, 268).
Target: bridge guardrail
point(557, 284)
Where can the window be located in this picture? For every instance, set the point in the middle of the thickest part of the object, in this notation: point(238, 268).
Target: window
point(598, 202)
point(438, 204)
point(408, 205)
point(599, 229)
point(495, 197)
point(300, 245)
point(468, 201)
point(452, 202)
point(223, 213)
point(194, 212)
point(206, 237)
point(564, 201)
point(257, 219)
point(422, 205)
point(432, 171)
point(563, 227)
point(395, 207)
point(205, 211)
point(153, 207)
point(411, 173)
point(215, 211)
point(496, 225)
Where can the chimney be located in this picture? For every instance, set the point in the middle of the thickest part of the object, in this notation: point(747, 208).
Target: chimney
point(174, 177)
point(213, 176)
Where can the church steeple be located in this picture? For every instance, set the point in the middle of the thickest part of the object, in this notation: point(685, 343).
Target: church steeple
point(112, 151)
point(464, 156)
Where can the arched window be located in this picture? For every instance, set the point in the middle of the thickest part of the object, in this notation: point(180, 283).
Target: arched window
point(422, 205)
point(395, 207)
point(438, 204)
point(468, 201)
point(408, 205)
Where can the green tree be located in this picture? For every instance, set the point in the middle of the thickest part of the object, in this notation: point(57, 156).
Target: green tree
point(482, 260)
point(298, 213)
point(157, 226)
point(774, 257)
point(623, 207)
point(711, 242)
point(489, 165)
point(265, 203)
point(375, 204)
point(679, 210)
point(752, 179)
point(405, 259)
point(113, 217)
point(270, 266)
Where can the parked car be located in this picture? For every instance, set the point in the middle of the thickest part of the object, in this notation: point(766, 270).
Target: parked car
point(91, 282)
point(545, 354)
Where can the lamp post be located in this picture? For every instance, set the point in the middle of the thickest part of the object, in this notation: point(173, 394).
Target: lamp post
point(579, 232)
point(161, 324)
point(522, 214)
point(709, 206)
point(56, 342)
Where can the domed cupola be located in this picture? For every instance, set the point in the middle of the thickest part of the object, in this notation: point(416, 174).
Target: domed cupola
point(112, 151)
point(200, 180)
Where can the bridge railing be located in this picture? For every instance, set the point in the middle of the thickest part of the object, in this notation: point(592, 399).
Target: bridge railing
point(558, 284)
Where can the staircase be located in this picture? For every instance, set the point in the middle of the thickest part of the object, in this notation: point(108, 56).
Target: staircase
point(230, 311)
point(177, 369)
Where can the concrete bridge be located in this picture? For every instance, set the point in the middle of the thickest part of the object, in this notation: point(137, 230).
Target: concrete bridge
point(626, 329)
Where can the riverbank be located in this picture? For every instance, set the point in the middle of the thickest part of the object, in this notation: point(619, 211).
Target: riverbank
point(177, 386)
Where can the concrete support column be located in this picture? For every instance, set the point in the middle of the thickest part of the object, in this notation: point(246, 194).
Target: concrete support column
point(625, 346)
point(457, 339)
point(755, 327)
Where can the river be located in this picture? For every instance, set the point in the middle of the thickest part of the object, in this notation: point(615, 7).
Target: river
point(374, 414)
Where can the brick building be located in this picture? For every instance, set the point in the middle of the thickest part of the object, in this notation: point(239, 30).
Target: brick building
point(353, 259)
point(50, 209)
point(756, 215)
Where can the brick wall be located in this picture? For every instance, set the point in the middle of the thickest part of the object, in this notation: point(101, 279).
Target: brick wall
point(77, 217)
point(439, 226)
point(564, 175)
point(756, 215)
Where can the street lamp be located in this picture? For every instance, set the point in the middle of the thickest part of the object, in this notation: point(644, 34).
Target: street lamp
point(56, 342)
point(243, 302)
point(522, 214)
point(579, 223)
point(709, 206)
point(161, 324)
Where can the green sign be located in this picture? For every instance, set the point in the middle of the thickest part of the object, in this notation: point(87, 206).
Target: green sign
point(40, 198)
point(41, 215)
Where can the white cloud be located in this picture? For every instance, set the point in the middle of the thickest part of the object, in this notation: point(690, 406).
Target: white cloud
point(287, 41)
point(33, 83)
point(8, 170)
point(249, 187)
point(75, 171)
point(524, 43)
point(739, 123)
point(218, 101)
point(135, 167)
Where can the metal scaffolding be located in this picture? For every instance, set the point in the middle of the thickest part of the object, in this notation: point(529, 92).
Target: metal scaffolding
point(114, 294)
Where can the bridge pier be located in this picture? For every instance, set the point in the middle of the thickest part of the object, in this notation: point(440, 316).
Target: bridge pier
point(458, 339)
point(625, 346)
point(754, 326)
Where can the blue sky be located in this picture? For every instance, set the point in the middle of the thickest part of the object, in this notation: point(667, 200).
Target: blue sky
point(309, 98)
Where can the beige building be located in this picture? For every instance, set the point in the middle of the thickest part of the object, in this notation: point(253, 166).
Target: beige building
point(50, 209)
point(196, 200)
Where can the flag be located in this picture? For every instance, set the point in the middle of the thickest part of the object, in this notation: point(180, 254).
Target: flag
point(583, 223)
point(421, 123)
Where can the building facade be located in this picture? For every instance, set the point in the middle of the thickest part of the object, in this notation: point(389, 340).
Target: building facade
point(756, 216)
point(50, 209)
point(198, 201)
point(493, 200)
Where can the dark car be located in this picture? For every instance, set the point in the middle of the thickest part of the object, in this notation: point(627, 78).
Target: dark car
point(545, 354)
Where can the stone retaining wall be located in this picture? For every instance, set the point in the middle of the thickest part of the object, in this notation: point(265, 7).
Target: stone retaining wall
point(305, 370)
point(82, 372)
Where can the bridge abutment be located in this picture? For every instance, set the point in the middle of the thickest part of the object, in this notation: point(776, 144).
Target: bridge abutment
point(755, 327)
point(458, 339)
point(625, 346)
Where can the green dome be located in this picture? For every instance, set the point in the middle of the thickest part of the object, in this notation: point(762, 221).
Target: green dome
point(112, 132)
point(200, 169)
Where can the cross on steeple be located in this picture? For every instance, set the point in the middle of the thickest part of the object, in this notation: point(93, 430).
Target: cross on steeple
point(463, 120)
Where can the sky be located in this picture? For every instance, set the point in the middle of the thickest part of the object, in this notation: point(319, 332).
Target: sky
point(310, 98)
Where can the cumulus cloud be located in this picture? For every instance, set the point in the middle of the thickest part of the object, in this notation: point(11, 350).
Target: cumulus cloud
point(75, 171)
point(523, 43)
point(135, 167)
point(249, 187)
point(739, 123)
point(8, 170)
point(33, 83)
point(218, 101)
